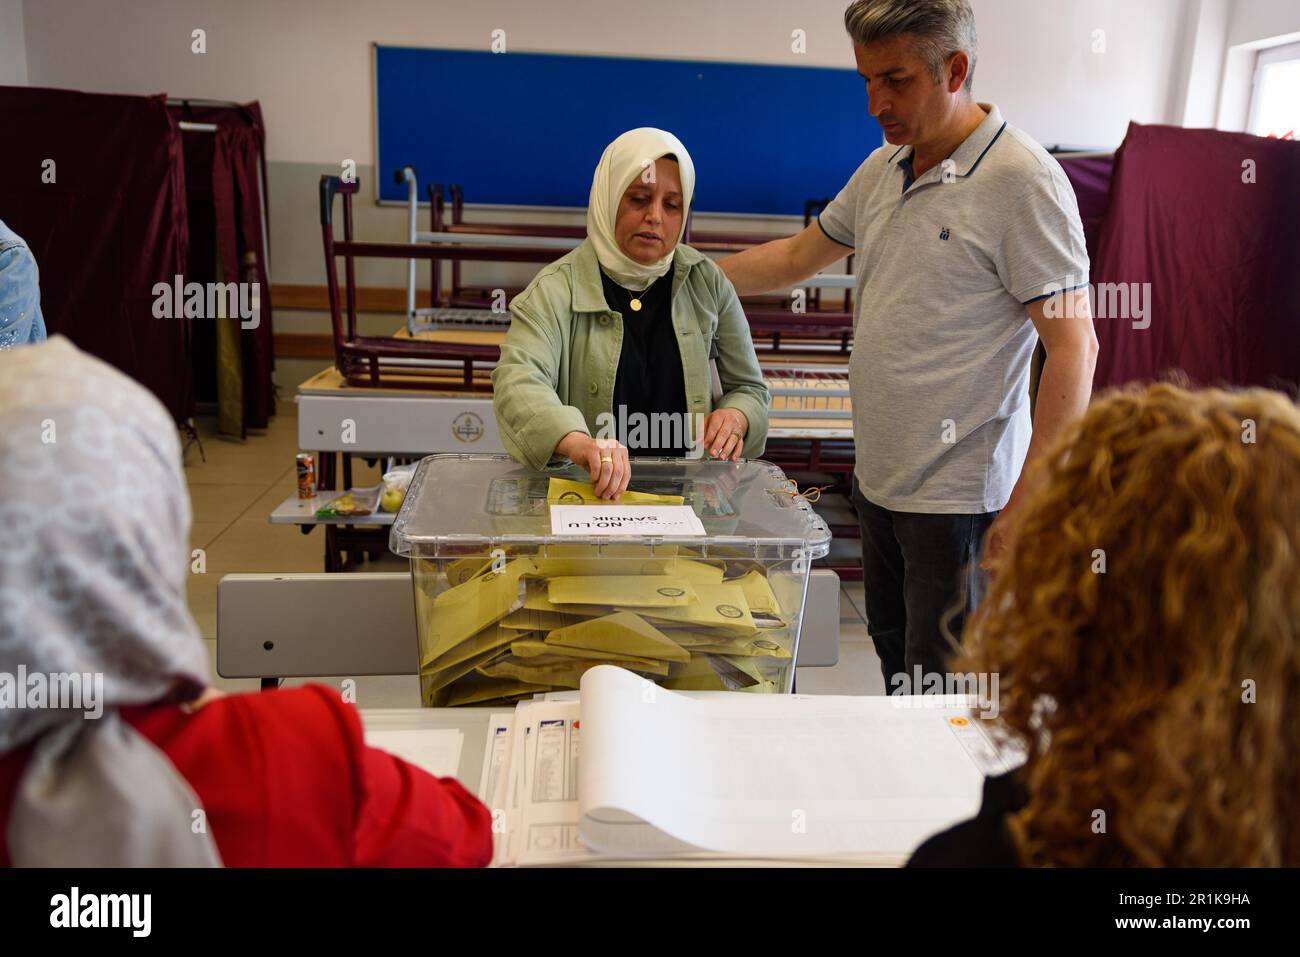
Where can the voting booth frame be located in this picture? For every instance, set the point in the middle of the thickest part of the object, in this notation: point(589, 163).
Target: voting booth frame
point(695, 579)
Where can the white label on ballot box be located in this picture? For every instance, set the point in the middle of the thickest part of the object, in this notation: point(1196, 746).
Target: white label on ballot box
point(625, 520)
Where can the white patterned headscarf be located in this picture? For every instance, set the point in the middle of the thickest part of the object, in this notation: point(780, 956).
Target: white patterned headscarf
point(94, 552)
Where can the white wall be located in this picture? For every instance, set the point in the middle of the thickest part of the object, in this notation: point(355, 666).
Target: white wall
point(13, 47)
point(1254, 21)
point(308, 61)
point(1253, 25)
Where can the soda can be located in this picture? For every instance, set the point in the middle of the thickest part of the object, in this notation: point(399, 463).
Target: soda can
point(306, 475)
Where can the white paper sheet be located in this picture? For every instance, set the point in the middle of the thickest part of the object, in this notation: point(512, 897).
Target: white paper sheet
point(779, 776)
point(436, 750)
point(623, 521)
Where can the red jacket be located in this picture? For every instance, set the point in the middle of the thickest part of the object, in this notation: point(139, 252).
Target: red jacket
point(286, 780)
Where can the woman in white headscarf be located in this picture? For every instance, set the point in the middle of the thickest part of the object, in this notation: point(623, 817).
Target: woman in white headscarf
point(612, 348)
point(114, 751)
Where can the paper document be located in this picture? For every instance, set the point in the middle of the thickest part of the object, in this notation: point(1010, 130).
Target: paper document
point(773, 776)
point(436, 750)
point(618, 520)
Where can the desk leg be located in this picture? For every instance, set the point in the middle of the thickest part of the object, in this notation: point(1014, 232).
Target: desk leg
point(333, 554)
point(325, 471)
point(270, 684)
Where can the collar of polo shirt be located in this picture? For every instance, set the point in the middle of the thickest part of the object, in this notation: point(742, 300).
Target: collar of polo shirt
point(965, 158)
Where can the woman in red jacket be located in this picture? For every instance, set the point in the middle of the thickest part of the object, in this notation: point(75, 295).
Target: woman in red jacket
point(113, 750)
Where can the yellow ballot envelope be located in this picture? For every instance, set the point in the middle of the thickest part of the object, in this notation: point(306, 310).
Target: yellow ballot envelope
point(530, 648)
point(564, 492)
point(622, 633)
point(621, 590)
point(758, 593)
point(462, 570)
point(720, 607)
point(468, 608)
point(557, 672)
point(695, 675)
point(754, 646)
point(493, 638)
point(614, 558)
point(535, 600)
point(476, 689)
point(695, 571)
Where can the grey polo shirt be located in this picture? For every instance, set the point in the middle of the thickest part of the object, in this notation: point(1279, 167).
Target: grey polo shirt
point(945, 265)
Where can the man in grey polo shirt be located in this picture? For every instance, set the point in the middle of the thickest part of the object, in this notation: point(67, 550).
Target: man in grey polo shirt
point(968, 245)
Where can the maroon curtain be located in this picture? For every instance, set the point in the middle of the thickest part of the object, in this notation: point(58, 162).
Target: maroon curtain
point(1219, 252)
point(110, 224)
point(233, 167)
point(1090, 176)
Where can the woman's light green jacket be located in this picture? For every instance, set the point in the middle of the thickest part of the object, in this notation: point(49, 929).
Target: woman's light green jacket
point(560, 357)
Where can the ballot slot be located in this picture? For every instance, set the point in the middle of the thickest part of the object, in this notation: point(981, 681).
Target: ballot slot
point(505, 609)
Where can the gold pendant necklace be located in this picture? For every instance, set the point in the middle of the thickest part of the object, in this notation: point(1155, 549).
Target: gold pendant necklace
point(635, 304)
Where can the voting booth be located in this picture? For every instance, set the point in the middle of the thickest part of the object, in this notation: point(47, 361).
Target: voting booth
point(523, 580)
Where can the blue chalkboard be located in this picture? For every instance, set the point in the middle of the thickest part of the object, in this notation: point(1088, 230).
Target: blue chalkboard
point(528, 128)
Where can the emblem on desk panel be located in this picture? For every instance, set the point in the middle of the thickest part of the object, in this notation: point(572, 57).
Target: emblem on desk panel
point(467, 427)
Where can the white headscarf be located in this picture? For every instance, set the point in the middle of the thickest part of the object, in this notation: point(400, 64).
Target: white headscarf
point(621, 163)
point(94, 553)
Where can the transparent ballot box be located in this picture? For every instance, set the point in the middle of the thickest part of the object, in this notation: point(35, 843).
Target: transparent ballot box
point(523, 580)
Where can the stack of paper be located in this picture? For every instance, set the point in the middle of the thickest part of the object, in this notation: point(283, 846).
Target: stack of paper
point(782, 777)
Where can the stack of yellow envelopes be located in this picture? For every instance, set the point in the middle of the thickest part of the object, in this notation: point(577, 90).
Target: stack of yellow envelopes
point(500, 631)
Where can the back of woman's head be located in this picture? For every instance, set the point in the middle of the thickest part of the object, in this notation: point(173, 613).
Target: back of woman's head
point(1146, 634)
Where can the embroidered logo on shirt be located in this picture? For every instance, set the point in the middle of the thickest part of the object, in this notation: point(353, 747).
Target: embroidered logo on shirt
point(943, 234)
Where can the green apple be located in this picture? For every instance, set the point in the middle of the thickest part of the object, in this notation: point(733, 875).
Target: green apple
point(391, 500)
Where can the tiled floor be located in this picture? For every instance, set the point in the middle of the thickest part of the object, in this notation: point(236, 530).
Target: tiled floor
point(234, 490)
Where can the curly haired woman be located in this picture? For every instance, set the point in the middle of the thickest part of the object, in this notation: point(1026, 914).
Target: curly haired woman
point(1146, 633)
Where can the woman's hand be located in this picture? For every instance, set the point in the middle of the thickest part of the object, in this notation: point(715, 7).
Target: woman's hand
point(604, 459)
point(724, 433)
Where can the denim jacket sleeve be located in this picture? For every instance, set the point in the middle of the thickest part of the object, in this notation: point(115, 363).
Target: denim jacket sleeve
point(21, 322)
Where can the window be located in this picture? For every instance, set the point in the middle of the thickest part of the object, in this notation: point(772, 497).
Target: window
point(1275, 100)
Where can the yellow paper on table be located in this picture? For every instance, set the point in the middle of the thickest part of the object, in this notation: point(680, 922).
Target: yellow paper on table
point(623, 633)
point(468, 608)
point(529, 648)
point(620, 590)
point(563, 492)
point(716, 606)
